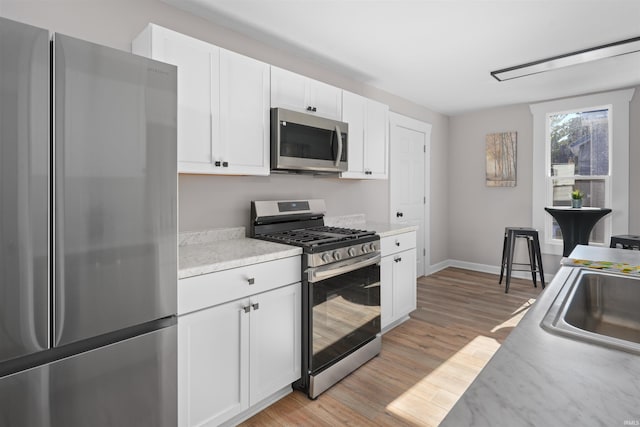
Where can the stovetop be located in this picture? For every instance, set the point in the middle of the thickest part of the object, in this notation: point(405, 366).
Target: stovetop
point(316, 236)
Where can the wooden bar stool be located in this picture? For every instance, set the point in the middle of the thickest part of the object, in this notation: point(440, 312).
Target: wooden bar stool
point(535, 256)
point(626, 241)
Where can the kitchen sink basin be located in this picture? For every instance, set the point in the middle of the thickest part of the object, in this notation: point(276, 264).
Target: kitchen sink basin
point(599, 307)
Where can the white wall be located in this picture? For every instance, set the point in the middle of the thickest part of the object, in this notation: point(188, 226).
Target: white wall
point(478, 214)
point(207, 201)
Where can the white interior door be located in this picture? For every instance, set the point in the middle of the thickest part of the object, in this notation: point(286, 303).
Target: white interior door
point(409, 180)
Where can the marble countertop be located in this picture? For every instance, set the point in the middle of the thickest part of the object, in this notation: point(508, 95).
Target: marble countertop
point(538, 378)
point(359, 221)
point(215, 250)
point(385, 229)
point(208, 251)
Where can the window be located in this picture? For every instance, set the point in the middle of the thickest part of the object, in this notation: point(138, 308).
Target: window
point(578, 155)
point(581, 143)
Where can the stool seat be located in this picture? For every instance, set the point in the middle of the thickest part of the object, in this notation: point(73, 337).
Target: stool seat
point(535, 256)
point(626, 241)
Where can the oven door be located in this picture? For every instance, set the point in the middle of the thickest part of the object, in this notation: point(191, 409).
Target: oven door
point(344, 301)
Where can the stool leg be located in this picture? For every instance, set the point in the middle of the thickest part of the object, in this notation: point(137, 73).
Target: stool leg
point(504, 255)
point(532, 260)
point(511, 241)
point(536, 245)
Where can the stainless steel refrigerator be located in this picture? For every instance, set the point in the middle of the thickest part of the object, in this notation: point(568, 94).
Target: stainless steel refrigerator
point(88, 230)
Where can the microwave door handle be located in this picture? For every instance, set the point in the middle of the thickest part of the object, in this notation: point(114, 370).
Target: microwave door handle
point(339, 154)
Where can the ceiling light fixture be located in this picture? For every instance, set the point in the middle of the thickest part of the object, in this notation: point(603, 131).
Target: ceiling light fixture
point(609, 50)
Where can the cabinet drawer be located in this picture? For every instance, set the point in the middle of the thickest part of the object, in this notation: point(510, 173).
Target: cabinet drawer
point(196, 293)
point(399, 242)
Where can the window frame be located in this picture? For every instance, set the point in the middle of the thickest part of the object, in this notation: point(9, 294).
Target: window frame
point(548, 225)
point(616, 184)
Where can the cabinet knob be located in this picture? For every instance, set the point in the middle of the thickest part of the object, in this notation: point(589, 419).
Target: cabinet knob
point(397, 259)
point(251, 280)
point(246, 308)
point(225, 164)
point(217, 163)
point(399, 214)
point(397, 243)
point(255, 306)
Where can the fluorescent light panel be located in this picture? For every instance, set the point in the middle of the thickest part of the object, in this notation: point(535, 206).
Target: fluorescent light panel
point(580, 57)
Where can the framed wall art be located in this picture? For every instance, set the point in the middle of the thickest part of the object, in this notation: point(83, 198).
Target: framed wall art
point(501, 159)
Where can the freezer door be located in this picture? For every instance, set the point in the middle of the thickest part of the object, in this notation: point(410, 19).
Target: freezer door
point(24, 182)
point(128, 384)
point(115, 190)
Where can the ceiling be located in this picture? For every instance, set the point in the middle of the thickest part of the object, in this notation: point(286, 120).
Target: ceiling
point(439, 54)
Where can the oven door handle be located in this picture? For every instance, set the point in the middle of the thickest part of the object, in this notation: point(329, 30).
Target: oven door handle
point(325, 272)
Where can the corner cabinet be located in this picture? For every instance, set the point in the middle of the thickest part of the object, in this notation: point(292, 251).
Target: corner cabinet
point(368, 137)
point(238, 356)
point(299, 93)
point(223, 104)
point(398, 292)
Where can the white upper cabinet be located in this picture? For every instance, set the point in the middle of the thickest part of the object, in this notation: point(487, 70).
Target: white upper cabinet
point(299, 93)
point(223, 104)
point(368, 142)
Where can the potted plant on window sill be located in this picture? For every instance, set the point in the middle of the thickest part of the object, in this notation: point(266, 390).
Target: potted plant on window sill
point(576, 198)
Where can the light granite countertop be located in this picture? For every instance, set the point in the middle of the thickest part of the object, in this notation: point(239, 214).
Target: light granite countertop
point(538, 378)
point(208, 251)
point(359, 221)
point(215, 250)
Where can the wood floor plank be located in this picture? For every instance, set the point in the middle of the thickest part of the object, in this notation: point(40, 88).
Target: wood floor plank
point(426, 363)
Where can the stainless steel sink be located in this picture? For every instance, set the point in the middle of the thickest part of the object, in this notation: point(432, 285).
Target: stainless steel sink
point(599, 307)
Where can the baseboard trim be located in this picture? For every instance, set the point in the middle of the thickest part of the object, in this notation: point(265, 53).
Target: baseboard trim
point(483, 268)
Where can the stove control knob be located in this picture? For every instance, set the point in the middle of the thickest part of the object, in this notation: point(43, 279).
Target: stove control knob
point(326, 257)
point(336, 255)
point(351, 252)
point(372, 247)
point(364, 249)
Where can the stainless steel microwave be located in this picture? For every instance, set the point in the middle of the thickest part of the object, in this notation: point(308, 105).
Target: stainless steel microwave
point(303, 142)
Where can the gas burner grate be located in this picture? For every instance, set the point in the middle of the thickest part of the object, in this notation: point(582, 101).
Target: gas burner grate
point(314, 236)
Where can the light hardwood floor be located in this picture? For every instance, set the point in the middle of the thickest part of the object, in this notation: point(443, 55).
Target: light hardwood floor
point(425, 364)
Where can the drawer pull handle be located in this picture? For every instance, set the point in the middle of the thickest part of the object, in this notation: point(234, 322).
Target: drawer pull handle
point(251, 280)
point(255, 306)
point(247, 308)
point(397, 259)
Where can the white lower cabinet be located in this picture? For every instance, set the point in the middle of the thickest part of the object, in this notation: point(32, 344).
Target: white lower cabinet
point(234, 355)
point(213, 356)
point(398, 292)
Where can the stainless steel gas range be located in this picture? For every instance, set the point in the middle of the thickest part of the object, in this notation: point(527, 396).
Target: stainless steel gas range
point(340, 288)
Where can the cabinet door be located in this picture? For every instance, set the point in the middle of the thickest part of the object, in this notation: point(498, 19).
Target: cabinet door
point(326, 99)
point(404, 283)
point(353, 112)
point(275, 344)
point(376, 139)
point(299, 93)
point(368, 137)
point(288, 90)
point(244, 115)
point(213, 374)
point(386, 291)
point(198, 116)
